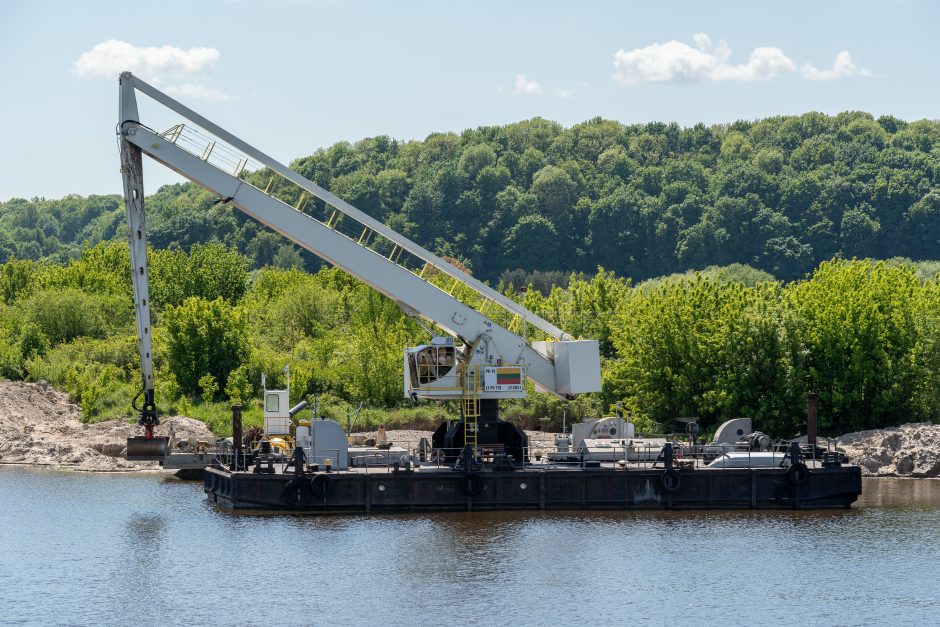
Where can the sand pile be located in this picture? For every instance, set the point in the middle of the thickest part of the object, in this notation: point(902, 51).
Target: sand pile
point(911, 450)
point(39, 426)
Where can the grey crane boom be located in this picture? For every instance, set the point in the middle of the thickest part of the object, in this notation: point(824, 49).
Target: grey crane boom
point(563, 366)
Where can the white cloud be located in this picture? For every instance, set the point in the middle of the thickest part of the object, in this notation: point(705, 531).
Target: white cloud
point(532, 88)
point(110, 58)
point(671, 61)
point(764, 64)
point(175, 70)
point(842, 67)
point(525, 86)
point(678, 62)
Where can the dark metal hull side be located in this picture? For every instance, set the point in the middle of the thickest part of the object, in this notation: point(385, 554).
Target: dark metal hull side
point(599, 489)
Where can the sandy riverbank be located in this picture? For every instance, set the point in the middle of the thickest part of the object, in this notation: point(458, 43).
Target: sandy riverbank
point(40, 427)
point(911, 450)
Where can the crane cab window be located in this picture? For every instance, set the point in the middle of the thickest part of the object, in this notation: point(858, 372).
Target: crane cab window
point(271, 403)
point(431, 363)
point(413, 370)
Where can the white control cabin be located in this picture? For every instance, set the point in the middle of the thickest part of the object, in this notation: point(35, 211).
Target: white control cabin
point(277, 419)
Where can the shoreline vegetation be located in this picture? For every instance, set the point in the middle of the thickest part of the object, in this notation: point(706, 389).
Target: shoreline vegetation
point(863, 335)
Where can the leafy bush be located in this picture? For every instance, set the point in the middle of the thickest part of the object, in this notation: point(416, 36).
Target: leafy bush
point(102, 269)
point(33, 342)
point(209, 387)
point(64, 314)
point(11, 357)
point(210, 271)
point(205, 337)
point(16, 278)
point(238, 389)
point(306, 310)
point(96, 388)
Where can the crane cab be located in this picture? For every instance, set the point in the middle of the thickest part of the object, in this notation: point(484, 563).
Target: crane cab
point(431, 365)
point(433, 371)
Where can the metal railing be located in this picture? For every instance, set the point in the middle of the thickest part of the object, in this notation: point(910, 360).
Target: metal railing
point(233, 162)
point(623, 455)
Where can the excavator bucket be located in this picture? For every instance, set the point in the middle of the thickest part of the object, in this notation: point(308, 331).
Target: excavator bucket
point(141, 449)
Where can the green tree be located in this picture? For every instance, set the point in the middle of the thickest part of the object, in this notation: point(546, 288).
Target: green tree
point(532, 244)
point(205, 337)
point(208, 386)
point(209, 271)
point(64, 314)
point(475, 158)
point(16, 277)
point(857, 322)
point(556, 194)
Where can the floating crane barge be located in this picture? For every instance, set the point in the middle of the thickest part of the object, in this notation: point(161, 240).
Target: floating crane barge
point(481, 351)
point(367, 491)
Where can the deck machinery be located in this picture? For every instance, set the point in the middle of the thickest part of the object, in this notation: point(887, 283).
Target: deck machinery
point(479, 352)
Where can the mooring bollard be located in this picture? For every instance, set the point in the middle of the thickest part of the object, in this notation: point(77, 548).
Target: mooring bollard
point(236, 434)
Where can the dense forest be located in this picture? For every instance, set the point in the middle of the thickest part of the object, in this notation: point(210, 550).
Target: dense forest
point(780, 194)
point(609, 223)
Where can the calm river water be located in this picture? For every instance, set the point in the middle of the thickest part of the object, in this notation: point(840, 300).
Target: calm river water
point(84, 549)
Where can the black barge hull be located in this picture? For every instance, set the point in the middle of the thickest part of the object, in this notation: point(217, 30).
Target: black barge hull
point(350, 492)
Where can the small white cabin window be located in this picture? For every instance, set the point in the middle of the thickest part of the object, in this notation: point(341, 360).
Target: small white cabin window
point(271, 403)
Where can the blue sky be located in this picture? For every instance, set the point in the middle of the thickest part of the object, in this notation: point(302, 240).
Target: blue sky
point(291, 76)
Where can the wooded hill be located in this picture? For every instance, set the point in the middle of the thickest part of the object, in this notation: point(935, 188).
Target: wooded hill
point(780, 194)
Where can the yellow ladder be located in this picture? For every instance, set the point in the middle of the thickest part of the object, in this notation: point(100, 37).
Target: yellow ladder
point(470, 404)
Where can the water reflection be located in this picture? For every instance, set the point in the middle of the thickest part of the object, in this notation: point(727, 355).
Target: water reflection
point(897, 492)
point(143, 550)
point(138, 564)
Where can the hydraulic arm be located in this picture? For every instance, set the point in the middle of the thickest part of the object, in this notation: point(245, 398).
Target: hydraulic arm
point(149, 446)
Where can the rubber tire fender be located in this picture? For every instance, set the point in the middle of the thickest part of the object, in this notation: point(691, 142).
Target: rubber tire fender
point(670, 481)
point(296, 493)
point(471, 484)
point(321, 486)
point(797, 474)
